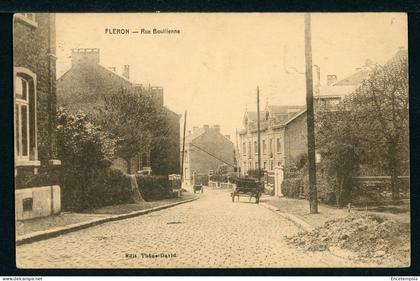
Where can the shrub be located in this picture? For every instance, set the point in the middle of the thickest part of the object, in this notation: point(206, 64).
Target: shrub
point(292, 187)
point(153, 187)
point(87, 181)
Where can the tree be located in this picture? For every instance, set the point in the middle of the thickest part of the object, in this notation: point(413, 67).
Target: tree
point(380, 108)
point(371, 125)
point(85, 152)
point(135, 121)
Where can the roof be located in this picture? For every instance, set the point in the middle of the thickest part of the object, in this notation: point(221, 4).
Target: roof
point(252, 115)
point(345, 86)
point(195, 134)
point(354, 79)
point(295, 117)
point(283, 109)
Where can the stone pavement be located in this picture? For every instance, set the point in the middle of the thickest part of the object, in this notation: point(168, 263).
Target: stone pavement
point(209, 232)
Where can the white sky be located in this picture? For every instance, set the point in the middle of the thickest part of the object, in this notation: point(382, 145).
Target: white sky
point(213, 67)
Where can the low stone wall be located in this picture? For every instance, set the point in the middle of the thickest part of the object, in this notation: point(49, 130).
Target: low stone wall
point(213, 184)
point(226, 185)
point(37, 202)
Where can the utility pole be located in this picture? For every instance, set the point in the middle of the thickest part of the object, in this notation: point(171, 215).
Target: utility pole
point(259, 136)
point(313, 200)
point(183, 147)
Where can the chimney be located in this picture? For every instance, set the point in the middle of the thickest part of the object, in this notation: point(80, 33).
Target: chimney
point(227, 136)
point(206, 127)
point(216, 128)
point(331, 79)
point(126, 71)
point(157, 94)
point(84, 56)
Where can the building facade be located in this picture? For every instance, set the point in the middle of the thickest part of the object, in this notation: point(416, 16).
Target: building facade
point(206, 149)
point(87, 82)
point(283, 129)
point(37, 189)
point(272, 131)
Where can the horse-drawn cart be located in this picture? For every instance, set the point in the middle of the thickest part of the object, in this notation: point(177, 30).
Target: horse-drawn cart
point(247, 187)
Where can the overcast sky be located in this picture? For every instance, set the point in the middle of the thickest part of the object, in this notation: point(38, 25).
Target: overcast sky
point(212, 68)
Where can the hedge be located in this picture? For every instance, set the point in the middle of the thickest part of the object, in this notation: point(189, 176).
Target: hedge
point(94, 189)
point(154, 187)
point(292, 187)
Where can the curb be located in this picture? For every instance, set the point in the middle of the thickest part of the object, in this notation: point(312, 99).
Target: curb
point(51, 233)
point(299, 222)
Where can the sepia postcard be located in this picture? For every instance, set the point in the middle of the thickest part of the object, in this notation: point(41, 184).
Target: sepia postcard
point(211, 140)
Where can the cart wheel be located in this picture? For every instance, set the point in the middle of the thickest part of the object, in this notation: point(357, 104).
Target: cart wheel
point(202, 190)
point(233, 198)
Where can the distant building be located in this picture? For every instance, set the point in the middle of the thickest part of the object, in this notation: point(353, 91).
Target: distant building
point(87, 82)
point(329, 96)
point(272, 129)
point(206, 149)
point(37, 190)
point(283, 129)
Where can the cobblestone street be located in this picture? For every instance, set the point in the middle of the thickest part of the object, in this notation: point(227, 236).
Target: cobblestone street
point(209, 232)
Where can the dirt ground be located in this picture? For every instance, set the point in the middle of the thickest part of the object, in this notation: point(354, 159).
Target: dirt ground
point(361, 237)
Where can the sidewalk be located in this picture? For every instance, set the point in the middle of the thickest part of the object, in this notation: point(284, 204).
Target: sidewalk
point(379, 236)
point(42, 228)
point(299, 208)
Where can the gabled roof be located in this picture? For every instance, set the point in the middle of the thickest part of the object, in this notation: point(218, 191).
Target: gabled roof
point(354, 79)
point(347, 85)
point(252, 115)
point(295, 117)
point(195, 134)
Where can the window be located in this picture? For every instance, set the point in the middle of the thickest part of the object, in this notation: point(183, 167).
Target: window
point(144, 160)
point(265, 165)
point(255, 147)
point(249, 149)
point(22, 118)
point(25, 117)
point(264, 145)
point(271, 165)
point(27, 204)
point(278, 164)
point(271, 146)
point(278, 145)
point(27, 18)
point(30, 16)
point(244, 148)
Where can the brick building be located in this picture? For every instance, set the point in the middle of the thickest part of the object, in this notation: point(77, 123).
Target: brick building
point(37, 190)
point(283, 128)
point(272, 130)
point(87, 82)
point(206, 149)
